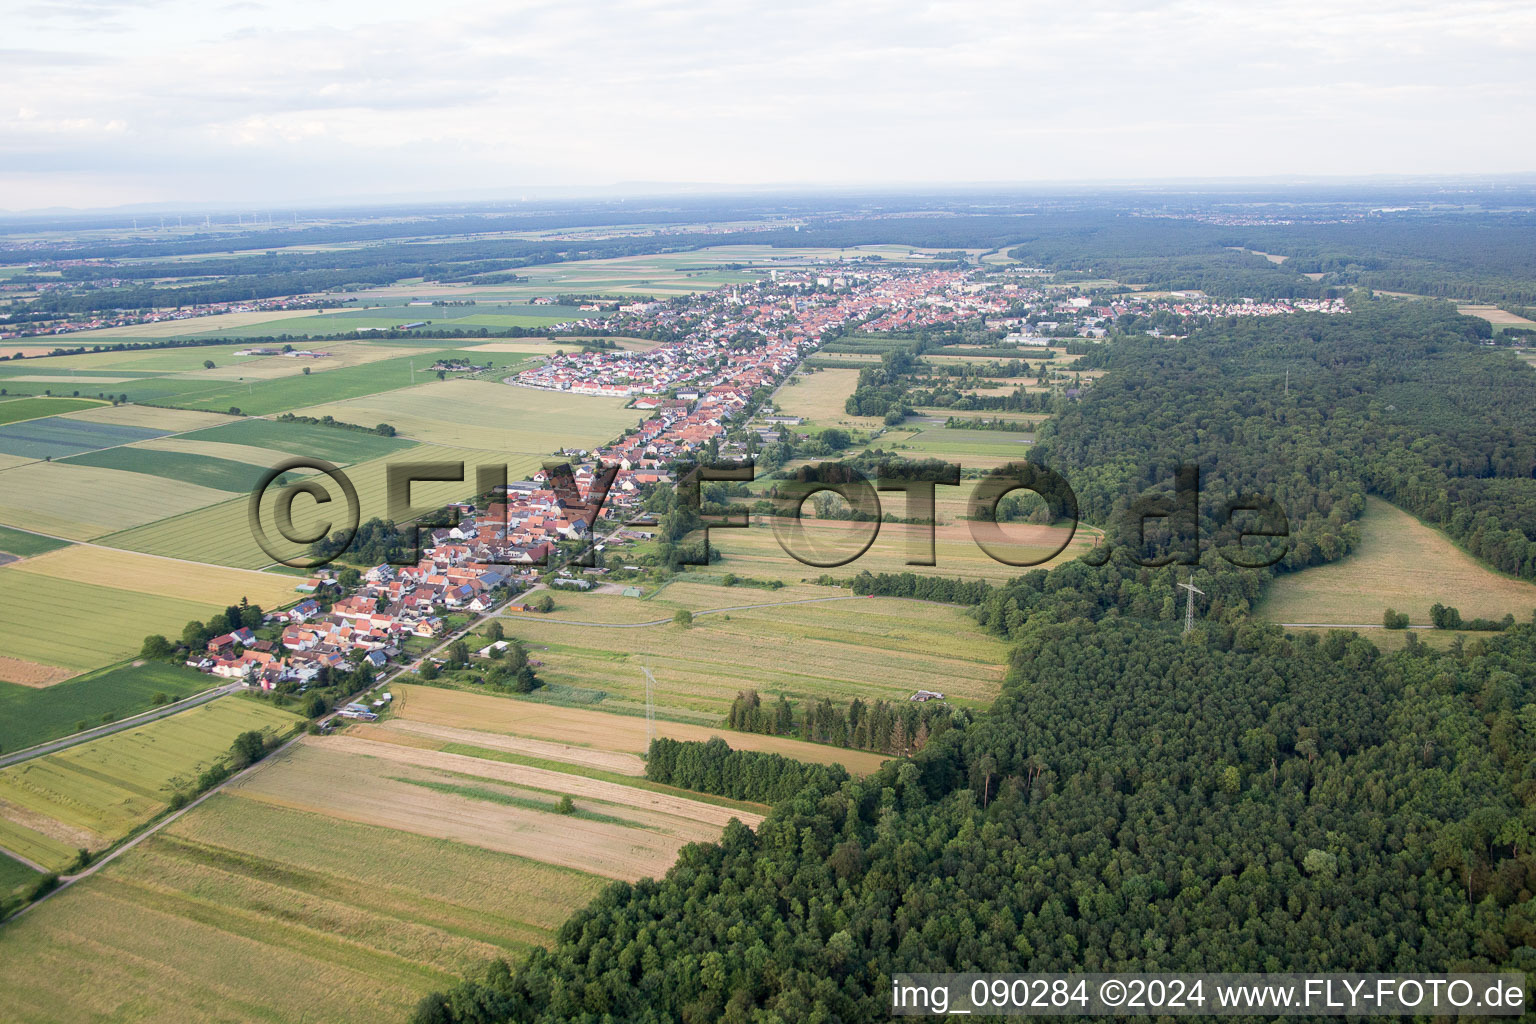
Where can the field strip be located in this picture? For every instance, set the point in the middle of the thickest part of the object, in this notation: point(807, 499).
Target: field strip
point(543, 778)
point(667, 621)
point(606, 760)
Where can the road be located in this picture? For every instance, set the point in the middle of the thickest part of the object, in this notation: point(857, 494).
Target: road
point(99, 731)
point(1341, 625)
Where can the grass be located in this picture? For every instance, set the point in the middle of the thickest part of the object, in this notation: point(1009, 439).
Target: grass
point(358, 922)
point(970, 448)
point(13, 875)
point(334, 444)
point(95, 793)
point(264, 397)
point(31, 716)
point(186, 467)
point(819, 399)
point(1400, 564)
point(491, 415)
point(25, 545)
point(35, 408)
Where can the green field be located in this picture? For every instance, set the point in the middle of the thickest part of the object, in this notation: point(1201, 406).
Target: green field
point(981, 449)
point(29, 716)
point(334, 444)
point(864, 647)
point(1400, 564)
point(199, 923)
point(82, 626)
point(203, 470)
point(81, 502)
point(264, 397)
point(13, 875)
point(35, 408)
point(25, 545)
point(93, 794)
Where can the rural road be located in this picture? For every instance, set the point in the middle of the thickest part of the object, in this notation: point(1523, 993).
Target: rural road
point(151, 715)
point(708, 611)
point(1342, 625)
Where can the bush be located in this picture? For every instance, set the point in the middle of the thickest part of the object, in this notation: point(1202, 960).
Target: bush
point(566, 805)
point(1395, 620)
point(683, 618)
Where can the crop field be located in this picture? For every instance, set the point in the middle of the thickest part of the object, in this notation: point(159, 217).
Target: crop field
point(972, 449)
point(92, 794)
point(36, 408)
point(867, 647)
point(211, 585)
point(616, 831)
point(25, 545)
point(333, 444)
point(190, 327)
point(82, 502)
point(166, 421)
point(755, 552)
point(358, 921)
point(29, 716)
point(222, 535)
point(340, 355)
point(491, 415)
point(188, 467)
point(1400, 564)
point(598, 730)
point(81, 626)
point(58, 437)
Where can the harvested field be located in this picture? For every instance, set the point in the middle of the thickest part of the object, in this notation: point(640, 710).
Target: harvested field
point(70, 501)
point(169, 421)
point(358, 922)
point(31, 673)
point(398, 730)
point(596, 729)
point(315, 776)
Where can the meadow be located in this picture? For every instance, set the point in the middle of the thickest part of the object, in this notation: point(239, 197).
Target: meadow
point(30, 715)
point(1400, 564)
point(333, 444)
point(871, 648)
point(25, 545)
point(819, 399)
point(357, 921)
point(90, 795)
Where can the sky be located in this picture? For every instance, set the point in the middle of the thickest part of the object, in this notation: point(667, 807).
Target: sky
point(109, 102)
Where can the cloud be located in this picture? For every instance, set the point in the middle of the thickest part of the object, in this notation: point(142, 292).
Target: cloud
point(494, 94)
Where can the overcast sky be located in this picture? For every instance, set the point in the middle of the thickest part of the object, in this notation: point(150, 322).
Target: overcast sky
point(106, 102)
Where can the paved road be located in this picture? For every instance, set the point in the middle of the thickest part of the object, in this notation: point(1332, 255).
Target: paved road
point(707, 611)
point(111, 727)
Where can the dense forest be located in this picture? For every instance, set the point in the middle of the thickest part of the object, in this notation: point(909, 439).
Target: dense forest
point(1135, 801)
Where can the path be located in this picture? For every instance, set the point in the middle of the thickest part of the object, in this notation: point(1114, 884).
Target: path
point(1341, 625)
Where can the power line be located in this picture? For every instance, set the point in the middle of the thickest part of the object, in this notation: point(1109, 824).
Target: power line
point(1189, 605)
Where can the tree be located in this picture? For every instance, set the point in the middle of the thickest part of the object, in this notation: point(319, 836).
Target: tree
point(566, 805)
point(494, 632)
point(544, 604)
point(156, 648)
point(248, 748)
point(208, 364)
point(1394, 620)
point(683, 618)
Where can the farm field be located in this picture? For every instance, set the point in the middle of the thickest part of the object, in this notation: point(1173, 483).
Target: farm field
point(221, 534)
point(32, 715)
point(80, 626)
point(188, 467)
point(972, 449)
point(599, 730)
point(58, 437)
point(1400, 564)
point(93, 794)
point(367, 921)
point(167, 421)
point(25, 545)
point(334, 444)
point(491, 415)
point(871, 648)
point(190, 327)
point(82, 502)
point(35, 408)
point(211, 585)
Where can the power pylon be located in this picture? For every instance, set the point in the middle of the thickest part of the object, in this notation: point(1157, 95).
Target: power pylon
point(1189, 605)
point(650, 707)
